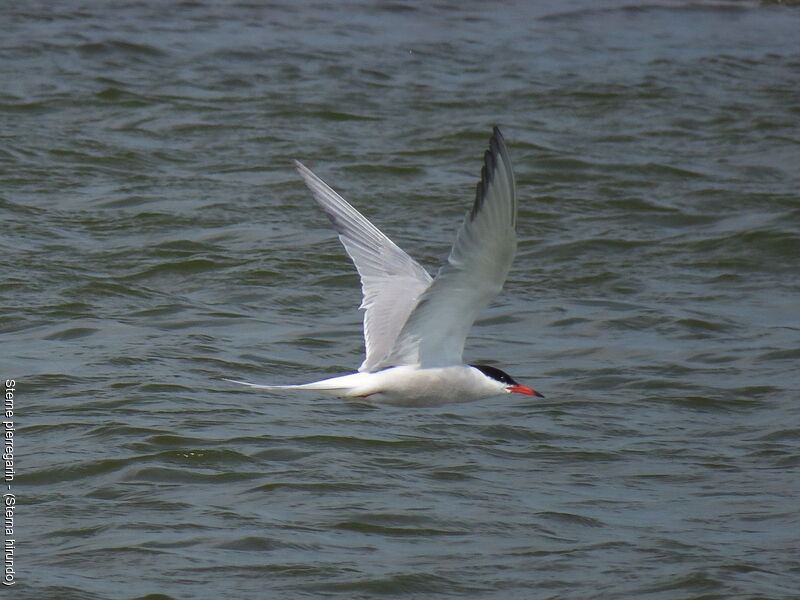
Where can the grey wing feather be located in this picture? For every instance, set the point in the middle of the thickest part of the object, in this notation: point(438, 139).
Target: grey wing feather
point(435, 332)
point(391, 281)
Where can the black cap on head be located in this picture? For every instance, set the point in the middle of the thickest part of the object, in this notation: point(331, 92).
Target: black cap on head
point(496, 374)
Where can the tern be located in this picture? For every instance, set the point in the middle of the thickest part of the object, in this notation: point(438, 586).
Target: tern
point(415, 325)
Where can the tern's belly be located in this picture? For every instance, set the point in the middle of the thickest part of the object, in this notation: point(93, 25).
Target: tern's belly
point(408, 386)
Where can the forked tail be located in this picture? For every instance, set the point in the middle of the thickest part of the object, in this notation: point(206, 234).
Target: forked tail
point(261, 387)
point(335, 384)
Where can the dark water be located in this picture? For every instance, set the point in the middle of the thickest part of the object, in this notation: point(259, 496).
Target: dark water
point(156, 239)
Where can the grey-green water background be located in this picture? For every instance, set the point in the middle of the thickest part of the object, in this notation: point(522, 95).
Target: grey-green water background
point(156, 239)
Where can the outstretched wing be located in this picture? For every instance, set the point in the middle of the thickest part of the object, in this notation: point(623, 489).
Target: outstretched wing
point(391, 281)
point(435, 332)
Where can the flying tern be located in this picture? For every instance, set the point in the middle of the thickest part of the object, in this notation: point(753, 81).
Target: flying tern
point(415, 325)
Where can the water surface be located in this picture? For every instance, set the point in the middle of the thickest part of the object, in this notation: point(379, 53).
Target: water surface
point(156, 239)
